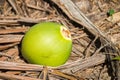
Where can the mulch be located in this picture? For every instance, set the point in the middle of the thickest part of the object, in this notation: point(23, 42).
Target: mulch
point(95, 35)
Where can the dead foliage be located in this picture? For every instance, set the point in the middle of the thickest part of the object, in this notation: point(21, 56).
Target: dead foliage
point(96, 38)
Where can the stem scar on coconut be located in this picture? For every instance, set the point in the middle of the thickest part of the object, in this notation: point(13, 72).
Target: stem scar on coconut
point(47, 44)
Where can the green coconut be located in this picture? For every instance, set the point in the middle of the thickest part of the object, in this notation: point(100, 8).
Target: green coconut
point(47, 43)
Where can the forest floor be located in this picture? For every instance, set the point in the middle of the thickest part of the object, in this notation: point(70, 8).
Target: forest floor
point(96, 38)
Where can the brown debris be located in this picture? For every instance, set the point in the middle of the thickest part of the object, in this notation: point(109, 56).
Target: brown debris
point(8, 31)
point(3, 47)
point(95, 39)
point(15, 77)
point(10, 38)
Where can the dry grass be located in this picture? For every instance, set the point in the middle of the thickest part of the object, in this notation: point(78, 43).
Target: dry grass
point(91, 53)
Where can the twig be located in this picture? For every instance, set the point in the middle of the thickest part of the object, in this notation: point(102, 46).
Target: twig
point(16, 7)
point(31, 20)
point(80, 36)
point(56, 72)
point(21, 19)
point(15, 77)
point(3, 47)
point(19, 66)
point(12, 2)
point(44, 73)
point(67, 68)
point(17, 30)
point(8, 22)
point(83, 64)
point(97, 51)
point(9, 17)
point(5, 55)
point(79, 64)
point(10, 53)
point(10, 38)
point(35, 7)
point(89, 47)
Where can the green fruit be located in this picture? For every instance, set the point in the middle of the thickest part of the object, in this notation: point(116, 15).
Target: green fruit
point(47, 43)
